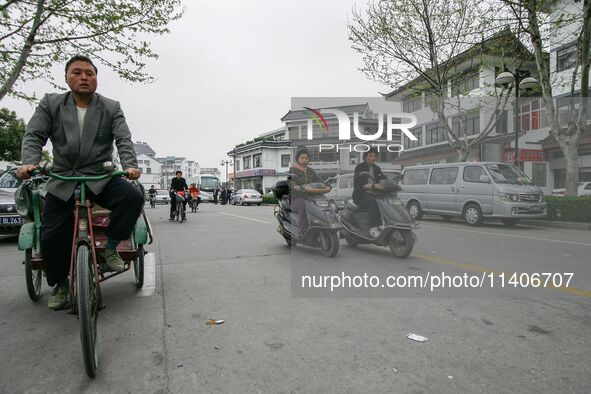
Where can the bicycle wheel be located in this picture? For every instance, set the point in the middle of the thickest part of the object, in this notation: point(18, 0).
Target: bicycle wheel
point(138, 267)
point(32, 277)
point(88, 307)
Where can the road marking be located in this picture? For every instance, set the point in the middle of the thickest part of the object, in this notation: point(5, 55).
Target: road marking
point(149, 276)
point(244, 217)
point(516, 236)
point(477, 268)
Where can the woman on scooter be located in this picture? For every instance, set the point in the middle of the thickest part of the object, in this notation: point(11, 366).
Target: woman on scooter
point(367, 175)
point(300, 174)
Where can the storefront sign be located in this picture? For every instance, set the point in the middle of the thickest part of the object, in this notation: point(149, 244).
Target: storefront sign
point(255, 172)
point(524, 155)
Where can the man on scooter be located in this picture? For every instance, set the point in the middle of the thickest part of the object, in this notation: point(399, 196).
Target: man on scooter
point(367, 174)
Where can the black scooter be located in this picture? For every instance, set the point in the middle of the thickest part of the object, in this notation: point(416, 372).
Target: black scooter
point(398, 232)
point(323, 223)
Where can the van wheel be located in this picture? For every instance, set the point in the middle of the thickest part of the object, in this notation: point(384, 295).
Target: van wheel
point(473, 215)
point(414, 210)
point(510, 222)
point(447, 218)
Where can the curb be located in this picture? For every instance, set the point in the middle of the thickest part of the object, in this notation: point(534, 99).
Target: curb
point(556, 224)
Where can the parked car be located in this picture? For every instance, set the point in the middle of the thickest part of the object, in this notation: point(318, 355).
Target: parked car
point(10, 220)
point(583, 189)
point(247, 196)
point(342, 187)
point(162, 196)
point(472, 191)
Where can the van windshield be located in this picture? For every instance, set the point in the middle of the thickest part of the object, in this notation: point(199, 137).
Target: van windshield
point(507, 173)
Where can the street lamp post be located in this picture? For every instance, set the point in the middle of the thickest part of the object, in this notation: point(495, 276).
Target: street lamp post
point(226, 163)
point(506, 78)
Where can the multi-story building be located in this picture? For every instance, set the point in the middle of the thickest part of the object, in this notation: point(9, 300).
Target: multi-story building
point(260, 163)
point(193, 168)
point(563, 57)
point(474, 83)
point(210, 171)
point(151, 171)
point(142, 148)
point(344, 155)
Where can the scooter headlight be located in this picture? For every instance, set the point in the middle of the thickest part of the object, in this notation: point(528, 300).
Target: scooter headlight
point(394, 201)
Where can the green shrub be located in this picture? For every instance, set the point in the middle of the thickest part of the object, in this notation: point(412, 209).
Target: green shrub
point(269, 199)
point(569, 208)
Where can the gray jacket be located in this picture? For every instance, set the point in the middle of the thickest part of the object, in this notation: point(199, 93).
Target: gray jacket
point(56, 119)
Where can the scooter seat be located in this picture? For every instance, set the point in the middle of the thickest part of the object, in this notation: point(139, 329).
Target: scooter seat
point(353, 207)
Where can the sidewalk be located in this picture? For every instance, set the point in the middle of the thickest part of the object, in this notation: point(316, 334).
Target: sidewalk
point(555, 223)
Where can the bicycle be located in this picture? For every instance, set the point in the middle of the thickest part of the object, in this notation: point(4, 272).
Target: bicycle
point(152, 201)
point(179, 214)
point(87, 266)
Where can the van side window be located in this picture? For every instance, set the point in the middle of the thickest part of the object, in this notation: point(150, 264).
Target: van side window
point(416, 177)
point(343, 182)
point(351, 182)
point(473, 173)
point(444, 176)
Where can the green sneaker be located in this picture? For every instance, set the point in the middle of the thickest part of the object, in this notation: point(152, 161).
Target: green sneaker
point(114, 261)
point(59, 297)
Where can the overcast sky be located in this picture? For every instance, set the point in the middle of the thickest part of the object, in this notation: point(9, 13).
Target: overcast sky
point(227, 73)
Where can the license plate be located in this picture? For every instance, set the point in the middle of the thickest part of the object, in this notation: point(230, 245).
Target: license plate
point(10, 220)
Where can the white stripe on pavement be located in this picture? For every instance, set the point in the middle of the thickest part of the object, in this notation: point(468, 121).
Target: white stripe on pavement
point(244, 217)
point(149, 276)
point(515, 236)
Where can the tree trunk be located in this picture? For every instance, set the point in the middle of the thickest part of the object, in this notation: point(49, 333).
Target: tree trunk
point(569, 148)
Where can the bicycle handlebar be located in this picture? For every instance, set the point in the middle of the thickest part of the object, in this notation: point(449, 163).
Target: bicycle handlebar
point(82, 178)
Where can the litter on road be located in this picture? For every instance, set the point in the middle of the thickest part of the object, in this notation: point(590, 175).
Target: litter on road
point(417, 338)
point(213, 322)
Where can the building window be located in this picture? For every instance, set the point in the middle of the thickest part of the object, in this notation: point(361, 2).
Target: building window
point(257, 160)
point(237, 165)
point(435, 133)
point(148, 170)
point(532, 115)
point(471, 125)
point(285, 160)
point(538, 174)
point(412, 103)
point(502, 125)
point(246, 162)
point(417, 132)
point(566, 57)
point(466, 82)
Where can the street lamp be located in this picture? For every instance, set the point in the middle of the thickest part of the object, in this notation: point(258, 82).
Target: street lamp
point(505, 79)
point(226, 163)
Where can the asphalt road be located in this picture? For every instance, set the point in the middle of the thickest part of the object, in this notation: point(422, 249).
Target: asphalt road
point(229, 263)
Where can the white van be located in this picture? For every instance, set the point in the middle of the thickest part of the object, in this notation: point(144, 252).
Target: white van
point(473, 191)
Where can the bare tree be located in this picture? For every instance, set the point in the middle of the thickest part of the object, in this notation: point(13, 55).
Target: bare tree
point(420, 41)
point(542, 20)
point(37, 34)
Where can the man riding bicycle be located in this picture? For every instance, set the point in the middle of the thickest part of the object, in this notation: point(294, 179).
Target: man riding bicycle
point(82, 126)
point(194, 195)
point(152, 195)
point(178, 184)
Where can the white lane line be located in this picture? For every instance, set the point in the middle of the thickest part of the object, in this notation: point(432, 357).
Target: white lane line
point(149, 276)
point(244, 217)
point(516, 236)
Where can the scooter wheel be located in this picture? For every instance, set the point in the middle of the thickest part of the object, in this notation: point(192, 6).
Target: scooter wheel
point(329, 243)
point(401, 243)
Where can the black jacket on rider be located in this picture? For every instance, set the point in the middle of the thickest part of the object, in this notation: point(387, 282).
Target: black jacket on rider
point(362, 180)
point(178, 184)
point(300, 178)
